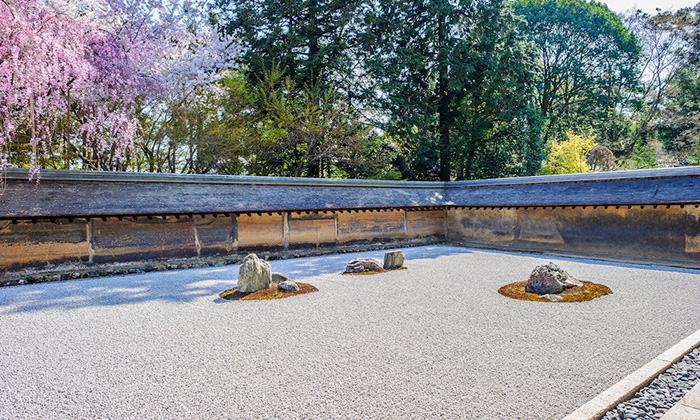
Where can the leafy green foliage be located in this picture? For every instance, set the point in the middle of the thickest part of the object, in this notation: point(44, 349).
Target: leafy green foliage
point(663, 40)
point(694, 158)
point(642, 157)
point(310, 43)
point(270, 127)
point(498, 124)
point(279, 131)
point(436, 89)
point(680, 129)
point(589, 58)
point(675, 109)
point(417, 55)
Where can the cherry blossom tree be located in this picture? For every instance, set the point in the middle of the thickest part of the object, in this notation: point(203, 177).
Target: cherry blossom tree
point(42, 58)
point(81, 71)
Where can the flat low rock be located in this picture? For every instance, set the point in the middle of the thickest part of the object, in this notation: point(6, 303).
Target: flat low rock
point(279, 277)
point(358, 265)
point(254, 274)
point(393, 260)
point(288, 286)
point(549, 278)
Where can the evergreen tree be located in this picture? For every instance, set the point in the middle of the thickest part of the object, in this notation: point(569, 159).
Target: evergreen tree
point(310, 40)
point(273, 127)
point(498, 129)
point(453, 78)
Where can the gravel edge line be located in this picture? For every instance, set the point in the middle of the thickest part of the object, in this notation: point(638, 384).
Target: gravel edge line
point(597, 407)
point(663, 393)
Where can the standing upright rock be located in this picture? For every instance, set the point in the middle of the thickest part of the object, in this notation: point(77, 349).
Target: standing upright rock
point(254, 274)
point(393, 260)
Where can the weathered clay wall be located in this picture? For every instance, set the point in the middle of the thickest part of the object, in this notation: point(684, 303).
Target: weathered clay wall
point(36, 243)
point(98, 217)
point(646, 233)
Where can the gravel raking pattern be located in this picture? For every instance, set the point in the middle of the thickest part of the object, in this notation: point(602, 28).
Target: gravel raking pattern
point(434, 341)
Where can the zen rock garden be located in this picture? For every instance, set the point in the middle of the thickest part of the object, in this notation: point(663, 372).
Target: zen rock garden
point(549, 282)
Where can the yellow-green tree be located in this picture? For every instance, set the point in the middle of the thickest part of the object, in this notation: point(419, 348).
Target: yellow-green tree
point(569, 156)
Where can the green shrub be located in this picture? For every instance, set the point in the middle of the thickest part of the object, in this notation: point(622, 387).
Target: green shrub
point(569, 156)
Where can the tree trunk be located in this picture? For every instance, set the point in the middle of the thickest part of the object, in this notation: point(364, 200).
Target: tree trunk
point(312, 67)
point(32, 122)
point(313, 169)
point(67, 130)
point(444, 102)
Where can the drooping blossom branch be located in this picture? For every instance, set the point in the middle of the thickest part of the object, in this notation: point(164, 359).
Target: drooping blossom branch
point(103, 59)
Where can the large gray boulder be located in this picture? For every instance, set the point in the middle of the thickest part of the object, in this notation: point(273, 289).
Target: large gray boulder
point(254, 274)
point(549, 278)
point(359, 265)
point(393, 260)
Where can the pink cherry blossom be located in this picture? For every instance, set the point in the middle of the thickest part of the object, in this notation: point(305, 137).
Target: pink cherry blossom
point(103, 58)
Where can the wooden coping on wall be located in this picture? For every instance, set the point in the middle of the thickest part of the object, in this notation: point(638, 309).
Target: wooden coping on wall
point(193, 215)
point(84, 194)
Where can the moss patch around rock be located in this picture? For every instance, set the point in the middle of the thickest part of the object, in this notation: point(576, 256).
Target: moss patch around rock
point(270, 293)
point(588, 291)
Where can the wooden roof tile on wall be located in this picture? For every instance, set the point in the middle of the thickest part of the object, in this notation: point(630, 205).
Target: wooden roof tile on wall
point(78, 193)
point(650, 186)
point(83, 193)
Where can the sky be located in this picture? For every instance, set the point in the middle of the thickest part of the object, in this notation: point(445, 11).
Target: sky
point(649, 6)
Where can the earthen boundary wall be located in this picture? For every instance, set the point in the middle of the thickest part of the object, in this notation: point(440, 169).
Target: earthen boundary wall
point(107, 217)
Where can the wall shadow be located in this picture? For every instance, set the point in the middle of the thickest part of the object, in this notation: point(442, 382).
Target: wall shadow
point(179, 285)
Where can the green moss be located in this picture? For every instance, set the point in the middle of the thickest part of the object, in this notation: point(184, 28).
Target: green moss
point(266, 294)
point(588, 291)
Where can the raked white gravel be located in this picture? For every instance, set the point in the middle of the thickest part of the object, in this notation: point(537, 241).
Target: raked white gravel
point(435, 341)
